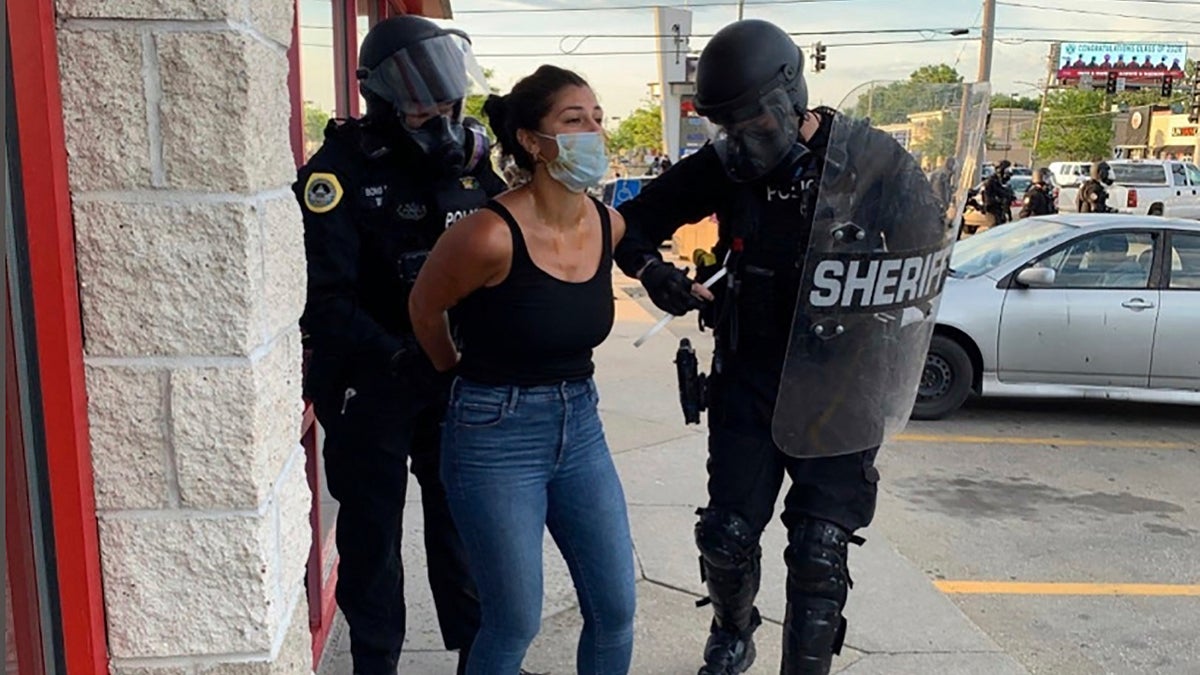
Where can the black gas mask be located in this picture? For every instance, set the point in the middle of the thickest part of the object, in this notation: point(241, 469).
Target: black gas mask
point(453, 147)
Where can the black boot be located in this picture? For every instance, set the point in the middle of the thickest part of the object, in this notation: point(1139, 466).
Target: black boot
point(817, 584)
point(729, 652)
point(731, 569)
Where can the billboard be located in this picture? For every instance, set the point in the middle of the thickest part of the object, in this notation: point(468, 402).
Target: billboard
point(1140, 64)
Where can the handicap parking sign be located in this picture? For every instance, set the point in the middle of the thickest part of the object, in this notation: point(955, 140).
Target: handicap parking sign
point(624, 190)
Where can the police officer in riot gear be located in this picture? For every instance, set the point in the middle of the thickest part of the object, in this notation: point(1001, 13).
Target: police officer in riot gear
point(997, 195)
point(760, 176)
point(1093, 194)
point(375, 197)
point(1039, 198)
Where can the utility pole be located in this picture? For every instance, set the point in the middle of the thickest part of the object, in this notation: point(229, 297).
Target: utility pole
point(1051, 62)
point(987, 39)
point(741, 6)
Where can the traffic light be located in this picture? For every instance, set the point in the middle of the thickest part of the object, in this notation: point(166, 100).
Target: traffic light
point(1110, 85)
point(818, 57)
point(1167, 85)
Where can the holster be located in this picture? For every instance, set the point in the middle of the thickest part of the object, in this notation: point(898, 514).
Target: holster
point(693, 385)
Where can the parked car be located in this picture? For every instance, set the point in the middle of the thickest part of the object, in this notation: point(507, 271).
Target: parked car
point(1078, 305)
point(1153, 187)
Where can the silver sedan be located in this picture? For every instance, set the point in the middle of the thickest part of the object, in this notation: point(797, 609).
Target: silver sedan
point(1069, 306)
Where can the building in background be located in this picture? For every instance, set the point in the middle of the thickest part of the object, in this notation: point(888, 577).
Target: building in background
point(163, 483)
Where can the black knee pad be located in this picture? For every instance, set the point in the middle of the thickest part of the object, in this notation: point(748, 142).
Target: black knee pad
point(816, 560)
point(726, 540)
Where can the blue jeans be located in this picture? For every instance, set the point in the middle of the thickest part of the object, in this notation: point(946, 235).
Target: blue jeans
point(515, 461)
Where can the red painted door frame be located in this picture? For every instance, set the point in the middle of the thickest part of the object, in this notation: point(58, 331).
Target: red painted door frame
point(58, 332)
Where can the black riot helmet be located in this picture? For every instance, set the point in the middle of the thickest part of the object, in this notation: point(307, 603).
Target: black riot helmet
point(1004, 171)
point(409, 66)
point(1102, 173)
point(750, 84)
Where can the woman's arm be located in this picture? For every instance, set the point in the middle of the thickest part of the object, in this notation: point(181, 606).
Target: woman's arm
point(473, 253)
point(618, 225)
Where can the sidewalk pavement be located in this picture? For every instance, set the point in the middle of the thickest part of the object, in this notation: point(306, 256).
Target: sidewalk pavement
point(898, 622)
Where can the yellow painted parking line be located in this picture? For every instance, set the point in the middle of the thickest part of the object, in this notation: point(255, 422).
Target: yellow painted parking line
point(1032, 588)
point(1061, 442)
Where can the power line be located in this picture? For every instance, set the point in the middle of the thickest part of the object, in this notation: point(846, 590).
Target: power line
point(539, 10)
point(630, 36)
point(963, 49)
point(1094, 13)
point(657, 52)
point(1185, 3)
point(1092, 30)
point(818, 33)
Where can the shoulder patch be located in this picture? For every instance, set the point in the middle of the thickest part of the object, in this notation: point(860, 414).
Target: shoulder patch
point(322, 192)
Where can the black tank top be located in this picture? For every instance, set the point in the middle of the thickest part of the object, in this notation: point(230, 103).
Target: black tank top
point(532, 328)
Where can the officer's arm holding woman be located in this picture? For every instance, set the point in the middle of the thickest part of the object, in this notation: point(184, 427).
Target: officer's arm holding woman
point(530, 278)
point(688, 193)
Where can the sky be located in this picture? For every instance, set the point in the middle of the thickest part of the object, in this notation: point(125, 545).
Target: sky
point(1024, 30)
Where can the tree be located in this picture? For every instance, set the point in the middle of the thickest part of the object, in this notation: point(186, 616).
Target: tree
point(939, 140)
point(641, 129)
point(315, 120)
point(939, 74)
point(1012, 101)
point(473, 105)
point(891, 104)
point(1075, 126)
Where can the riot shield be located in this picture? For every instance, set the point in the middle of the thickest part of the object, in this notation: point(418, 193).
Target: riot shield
point(899, 162)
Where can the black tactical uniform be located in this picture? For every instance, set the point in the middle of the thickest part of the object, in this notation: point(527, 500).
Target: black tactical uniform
point(1039, 198)
point(997, 195)
point(374, 201)
point(765, 211)
point(1093, 195)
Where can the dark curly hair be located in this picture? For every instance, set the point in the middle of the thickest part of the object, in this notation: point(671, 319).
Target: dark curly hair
point(525, 106)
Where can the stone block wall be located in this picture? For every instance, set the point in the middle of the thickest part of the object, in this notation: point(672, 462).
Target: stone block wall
point(191, 268)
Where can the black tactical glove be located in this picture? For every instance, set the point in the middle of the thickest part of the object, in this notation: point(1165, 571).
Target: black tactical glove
point(669, 288)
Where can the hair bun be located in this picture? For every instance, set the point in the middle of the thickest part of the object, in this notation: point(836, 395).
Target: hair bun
point(496, 109)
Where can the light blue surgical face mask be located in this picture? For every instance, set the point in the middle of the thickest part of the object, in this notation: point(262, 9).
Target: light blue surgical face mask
point(582, 160)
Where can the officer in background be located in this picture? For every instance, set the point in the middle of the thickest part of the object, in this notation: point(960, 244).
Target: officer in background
point(761, 180)
point(997, 195)
point(1093, 194)
point(1039, 198)
point(375, 198)
point(943, 181)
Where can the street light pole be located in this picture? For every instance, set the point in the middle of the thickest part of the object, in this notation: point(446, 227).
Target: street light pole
point(741, 6)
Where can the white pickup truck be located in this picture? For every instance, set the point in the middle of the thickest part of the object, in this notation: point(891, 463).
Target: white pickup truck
point(1156, 187)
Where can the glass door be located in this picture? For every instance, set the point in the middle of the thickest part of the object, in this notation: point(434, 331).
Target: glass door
point(30, 645)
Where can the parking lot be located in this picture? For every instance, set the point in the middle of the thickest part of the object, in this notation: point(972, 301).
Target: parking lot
point(1068, 531)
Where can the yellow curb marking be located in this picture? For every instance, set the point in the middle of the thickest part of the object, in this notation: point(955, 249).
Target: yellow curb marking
point(1061, 442)
point(1031, 588)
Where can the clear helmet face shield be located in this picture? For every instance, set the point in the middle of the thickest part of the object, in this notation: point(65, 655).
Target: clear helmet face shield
point(431, 79)
point(752, 140)
point(428, 75)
